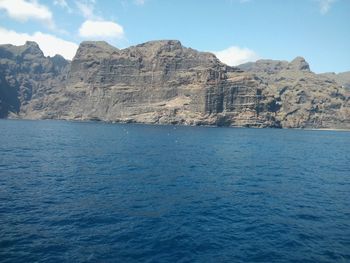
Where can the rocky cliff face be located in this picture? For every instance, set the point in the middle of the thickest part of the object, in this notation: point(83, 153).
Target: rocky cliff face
point(164, 82)
point(302, 98)
point(27, 76)
point(342, 78)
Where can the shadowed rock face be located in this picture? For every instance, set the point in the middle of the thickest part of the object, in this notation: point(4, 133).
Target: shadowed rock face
point(164, 82)
point(27, 77)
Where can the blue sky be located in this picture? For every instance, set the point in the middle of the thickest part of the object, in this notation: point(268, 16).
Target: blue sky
point(236, 30)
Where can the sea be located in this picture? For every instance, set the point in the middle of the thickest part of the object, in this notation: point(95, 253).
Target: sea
point(102, 192)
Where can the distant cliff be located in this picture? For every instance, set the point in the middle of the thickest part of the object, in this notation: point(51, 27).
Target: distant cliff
point(305, 99)
point(164, 82)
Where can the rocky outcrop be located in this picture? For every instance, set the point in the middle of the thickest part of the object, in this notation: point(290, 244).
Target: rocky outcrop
point(269, 66)
point(303, 99)
point(342, 78)
point(164, 82)
point(27, 77)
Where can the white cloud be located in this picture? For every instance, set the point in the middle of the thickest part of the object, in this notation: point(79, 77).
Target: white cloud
point(101, 29)
point(23, 11)
point(86, 8)
point(95, 27)
point(63, 4)
point(325, 5)
point(234, 55)
point(49, 44)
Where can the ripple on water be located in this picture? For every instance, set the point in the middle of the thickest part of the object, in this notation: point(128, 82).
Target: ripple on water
point(92, 192)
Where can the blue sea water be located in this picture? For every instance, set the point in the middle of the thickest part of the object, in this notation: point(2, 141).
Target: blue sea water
point(97, 192)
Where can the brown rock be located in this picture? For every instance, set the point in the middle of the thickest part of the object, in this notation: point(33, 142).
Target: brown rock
point(164, 82)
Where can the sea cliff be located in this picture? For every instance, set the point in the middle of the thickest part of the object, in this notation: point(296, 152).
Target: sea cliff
point(163, 82)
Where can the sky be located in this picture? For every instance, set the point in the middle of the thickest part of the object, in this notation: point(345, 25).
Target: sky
point(237, 31)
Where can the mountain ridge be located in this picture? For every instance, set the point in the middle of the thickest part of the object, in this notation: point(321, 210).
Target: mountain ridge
point(164, 82)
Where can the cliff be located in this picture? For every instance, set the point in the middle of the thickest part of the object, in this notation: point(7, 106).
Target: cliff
point(305, 99)
point(164, 82)
point(28, 77)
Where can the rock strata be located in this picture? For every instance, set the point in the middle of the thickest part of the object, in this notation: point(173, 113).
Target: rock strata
point(303, 99)
point(163, 82)
point(28, 78)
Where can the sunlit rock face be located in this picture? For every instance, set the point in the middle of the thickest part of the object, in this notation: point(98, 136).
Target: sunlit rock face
point(305, 99)
point(166, 83)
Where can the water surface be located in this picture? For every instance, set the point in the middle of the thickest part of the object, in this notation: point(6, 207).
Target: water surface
point(96, 192)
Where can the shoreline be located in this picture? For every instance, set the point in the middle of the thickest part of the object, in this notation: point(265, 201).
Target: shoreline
point(180, 125)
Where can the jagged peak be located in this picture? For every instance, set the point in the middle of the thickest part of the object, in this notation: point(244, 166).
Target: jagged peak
point(58, 56)
point(271, 66)
point(165, 42)
point(31, 48)
point(96, 45)
point(102, 44)
point(93, 48)
point(299, 63)
point(264, 65)
point(28, 48)
point(158, 46)
point(31, 44)
point(59, 60)
point(298, 59)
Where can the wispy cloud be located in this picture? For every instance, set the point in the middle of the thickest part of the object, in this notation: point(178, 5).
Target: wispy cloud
point(235, 55)
point(23, 11)
point(63, 4)
point(87, 8)
point(325, 5)
point(49, 44)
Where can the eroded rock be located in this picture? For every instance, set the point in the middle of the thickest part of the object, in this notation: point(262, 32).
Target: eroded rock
point(164, 82)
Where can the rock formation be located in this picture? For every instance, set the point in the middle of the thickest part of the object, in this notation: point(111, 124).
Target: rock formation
point(342, 78)
point(304, 99)
point(166, 83)
point(28, 77)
